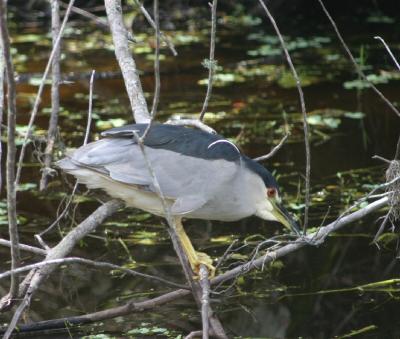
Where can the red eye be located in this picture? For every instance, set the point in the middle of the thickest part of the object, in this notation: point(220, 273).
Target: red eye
point(271, 192)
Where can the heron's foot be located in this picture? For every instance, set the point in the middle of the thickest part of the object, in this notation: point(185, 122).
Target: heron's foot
point(202, 259)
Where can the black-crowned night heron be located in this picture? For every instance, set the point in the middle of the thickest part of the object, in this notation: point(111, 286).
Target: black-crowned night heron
point(201, 175)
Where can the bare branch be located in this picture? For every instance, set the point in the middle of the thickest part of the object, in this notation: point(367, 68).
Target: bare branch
point(27, 248)
point(40, 91)
point(211, 63)
point(128, 308)
point(89, 118)
point(389, 51)
point(303, 110)
point(126, 61)
point(194, 334)
point(353, 60)
point(316, 237)
point(2, 74)
point(11, 149)
point(99, 21)
point(55, 95)
point(157, 83)
point(274, 150)
point(156, 62)
point(97, 264)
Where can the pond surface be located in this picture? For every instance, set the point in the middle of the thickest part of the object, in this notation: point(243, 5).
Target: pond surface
point(310, 293)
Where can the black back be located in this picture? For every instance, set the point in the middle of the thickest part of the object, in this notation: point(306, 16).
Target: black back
point(191, 142)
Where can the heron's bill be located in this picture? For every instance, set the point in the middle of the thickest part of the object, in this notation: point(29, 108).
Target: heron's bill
point(283, 216)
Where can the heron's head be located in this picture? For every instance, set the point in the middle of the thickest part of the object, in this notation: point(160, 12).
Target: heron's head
point(269, 205)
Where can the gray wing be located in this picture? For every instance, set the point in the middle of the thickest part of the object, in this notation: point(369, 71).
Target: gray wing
point(190, 181)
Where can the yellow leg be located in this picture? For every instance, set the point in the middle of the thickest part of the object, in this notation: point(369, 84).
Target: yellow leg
point(195, 258)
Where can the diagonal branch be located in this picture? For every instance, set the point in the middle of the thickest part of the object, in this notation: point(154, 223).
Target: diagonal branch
point(274, 150)
point(353, 60)
point(126, 61)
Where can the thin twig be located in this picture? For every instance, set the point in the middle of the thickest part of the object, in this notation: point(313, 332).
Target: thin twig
point(153, 24)
point(55, 95)
point(226, 254)
point(194, 334)
point(40, 91)
point(156, 62)
point(62, 213)
point(378, 157)
point(353, 60)
point(98, 264)
point(11, 150)
point(2, 74)
point(89, 118)
point(274, 150)
point(157, 82)
point(99, 21)
point(211, 63)
point(389, 51)
point(303, 110)
point(382, 227)
point(22, 247)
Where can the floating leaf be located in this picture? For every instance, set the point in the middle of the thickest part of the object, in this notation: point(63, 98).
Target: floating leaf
point(354, 115)
point(111, 123)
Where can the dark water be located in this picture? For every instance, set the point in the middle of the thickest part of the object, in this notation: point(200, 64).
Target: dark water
point(252, 103)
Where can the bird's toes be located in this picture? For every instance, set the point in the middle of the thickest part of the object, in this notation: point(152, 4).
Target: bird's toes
point(204, 259)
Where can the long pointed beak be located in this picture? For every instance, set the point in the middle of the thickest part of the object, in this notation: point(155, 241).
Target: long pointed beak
point(283, 216)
